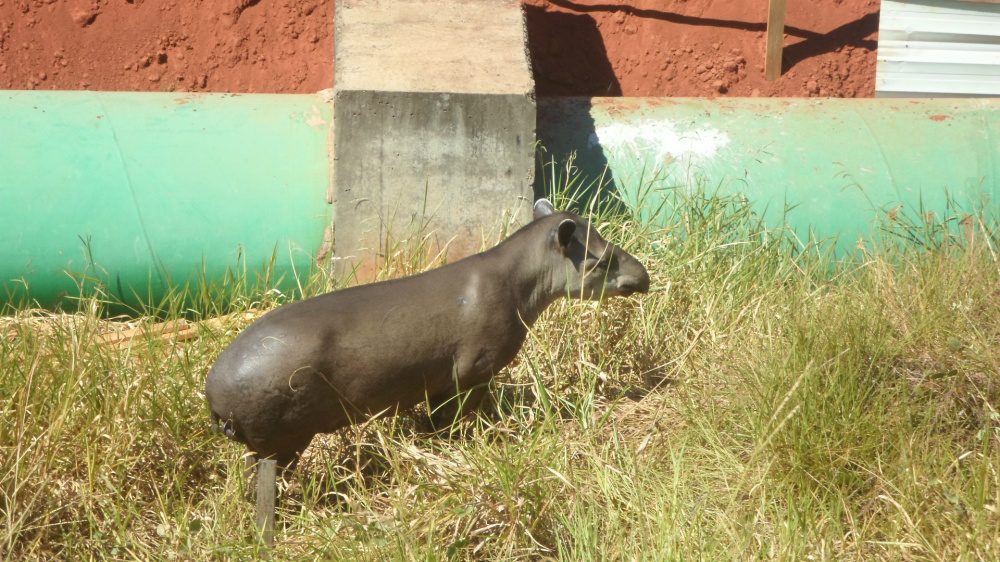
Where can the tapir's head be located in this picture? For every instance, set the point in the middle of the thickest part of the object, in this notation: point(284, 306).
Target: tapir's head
point(591, 267)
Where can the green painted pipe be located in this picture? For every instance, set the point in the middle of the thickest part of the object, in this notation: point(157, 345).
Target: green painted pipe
point(839, 165)
point(141, 191)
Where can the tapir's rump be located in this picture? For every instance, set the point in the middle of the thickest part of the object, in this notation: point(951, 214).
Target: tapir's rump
point(321, 364)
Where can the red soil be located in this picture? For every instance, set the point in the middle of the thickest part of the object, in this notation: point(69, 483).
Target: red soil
point(700, 47)
point(167, 45)
point(578, 47)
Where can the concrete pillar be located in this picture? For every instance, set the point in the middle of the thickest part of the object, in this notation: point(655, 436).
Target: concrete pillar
point(434, 126)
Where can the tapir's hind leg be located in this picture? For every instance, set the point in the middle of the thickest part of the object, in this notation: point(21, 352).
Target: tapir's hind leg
point(249, 465)
point(286, 453)
point(286, 459)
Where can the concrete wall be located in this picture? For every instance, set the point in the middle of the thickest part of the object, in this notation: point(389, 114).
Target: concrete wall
point(445, 167)
point(434, 126)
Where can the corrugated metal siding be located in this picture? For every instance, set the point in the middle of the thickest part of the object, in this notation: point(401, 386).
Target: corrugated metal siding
point(938, 48)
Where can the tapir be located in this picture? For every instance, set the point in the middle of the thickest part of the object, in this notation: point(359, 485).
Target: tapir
point(323, 363)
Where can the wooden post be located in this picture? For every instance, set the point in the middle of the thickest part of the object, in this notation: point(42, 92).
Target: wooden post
point(266, 487)
point(775, 39)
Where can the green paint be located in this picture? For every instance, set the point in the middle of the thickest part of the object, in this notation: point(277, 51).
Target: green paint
point(141, 190)
point(838, 164)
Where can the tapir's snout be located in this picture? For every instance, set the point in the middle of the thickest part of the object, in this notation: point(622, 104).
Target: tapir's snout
point(640, 285)
point(632, 276)
point(632, 285)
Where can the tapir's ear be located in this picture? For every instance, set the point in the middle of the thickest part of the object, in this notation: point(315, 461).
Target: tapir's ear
point(543, 208)
point(565, 232)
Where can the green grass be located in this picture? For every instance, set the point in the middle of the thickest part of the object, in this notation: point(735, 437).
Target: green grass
point(761, 403)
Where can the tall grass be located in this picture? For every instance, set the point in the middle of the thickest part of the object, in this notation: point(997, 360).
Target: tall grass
point(764, 401)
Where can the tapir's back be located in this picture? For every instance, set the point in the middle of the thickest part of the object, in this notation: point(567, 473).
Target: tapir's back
point(421, 315)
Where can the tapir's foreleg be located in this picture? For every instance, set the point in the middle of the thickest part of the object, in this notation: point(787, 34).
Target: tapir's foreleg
point(472, 374)
point(448, 407)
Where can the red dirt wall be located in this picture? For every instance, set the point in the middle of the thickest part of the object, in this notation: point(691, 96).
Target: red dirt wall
point(700, 47)
point(262, 46)
point(578, 47)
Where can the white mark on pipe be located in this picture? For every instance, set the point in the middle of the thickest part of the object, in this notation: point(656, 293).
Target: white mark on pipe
point(661, 138)
point(314, 118)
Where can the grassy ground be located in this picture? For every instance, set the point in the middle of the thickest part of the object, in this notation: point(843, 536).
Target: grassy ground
point(762, 402)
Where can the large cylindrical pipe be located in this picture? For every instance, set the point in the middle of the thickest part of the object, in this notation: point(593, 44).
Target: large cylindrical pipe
point(138, 191)
point(837, 164)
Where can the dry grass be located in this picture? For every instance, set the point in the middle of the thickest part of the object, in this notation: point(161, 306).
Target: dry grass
point(762, 402)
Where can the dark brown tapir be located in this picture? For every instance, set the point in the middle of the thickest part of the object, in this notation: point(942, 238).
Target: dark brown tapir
point(320, 364)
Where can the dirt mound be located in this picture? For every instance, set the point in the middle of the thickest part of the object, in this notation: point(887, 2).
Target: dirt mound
point(592, 47)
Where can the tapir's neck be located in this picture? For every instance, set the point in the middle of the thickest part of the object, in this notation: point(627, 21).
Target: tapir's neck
point(528, 273)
